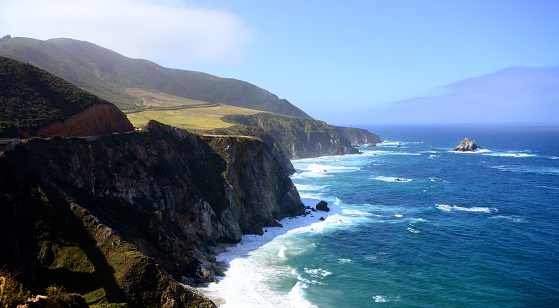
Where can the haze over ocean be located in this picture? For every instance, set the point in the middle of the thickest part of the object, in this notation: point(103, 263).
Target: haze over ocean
point(455, 229)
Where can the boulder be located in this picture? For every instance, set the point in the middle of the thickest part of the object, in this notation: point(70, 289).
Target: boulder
point(467, 145)
point(322, 206)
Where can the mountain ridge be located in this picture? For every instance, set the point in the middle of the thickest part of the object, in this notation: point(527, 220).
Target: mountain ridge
point(107, 74)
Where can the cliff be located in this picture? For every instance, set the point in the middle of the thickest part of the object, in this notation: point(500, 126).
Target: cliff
point(122, 218)
point(358, 136)
point(298, 137)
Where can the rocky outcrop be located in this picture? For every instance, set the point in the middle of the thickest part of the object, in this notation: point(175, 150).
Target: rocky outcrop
point(322, 206)
point(359, 136)
point(298, 137)
point(122, 218)
point(98, 119)
point(467, 145)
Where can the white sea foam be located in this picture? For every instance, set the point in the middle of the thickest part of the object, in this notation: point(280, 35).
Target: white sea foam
point(477, 151)
point(257, 261)
point(449, 208)
point(413, 230)
point(539, 170)
point(380, 299)
point(398, 215)
point(317, 272)
point(510, 154)
point(297, 296)
point(391, 179)
point(310, 187)
point(511, 218)
point(345, 261)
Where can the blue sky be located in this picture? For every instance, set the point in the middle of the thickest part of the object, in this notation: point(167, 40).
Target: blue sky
point(336, 60)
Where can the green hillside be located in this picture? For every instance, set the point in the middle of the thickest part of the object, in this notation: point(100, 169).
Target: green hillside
point(109, 75)
point(35, 97)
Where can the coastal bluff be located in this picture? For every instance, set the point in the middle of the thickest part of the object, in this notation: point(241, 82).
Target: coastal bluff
point(125, 218)
point(467, 145)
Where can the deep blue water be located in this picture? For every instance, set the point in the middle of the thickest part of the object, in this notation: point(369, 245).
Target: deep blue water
point(457, 230)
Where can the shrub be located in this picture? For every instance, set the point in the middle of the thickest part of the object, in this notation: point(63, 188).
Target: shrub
point(12, 292)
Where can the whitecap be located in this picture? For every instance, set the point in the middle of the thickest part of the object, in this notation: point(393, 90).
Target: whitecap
point(478, 151)
point(413, 230)
point(511, 154)
point(391, 179)
point(448, 208)
point(310, 187)
point(398, 215)
point(511, 218)
point(281, 252)
point(297, 296)
point(345, 260)
point(380, 299)
point(317, 272)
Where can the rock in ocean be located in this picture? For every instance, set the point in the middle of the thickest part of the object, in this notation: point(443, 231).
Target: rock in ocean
point(467, 145)
point(323, 206)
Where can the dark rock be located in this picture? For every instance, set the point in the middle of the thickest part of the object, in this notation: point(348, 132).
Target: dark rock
point(467, 145)
point(321, 218)
point(323, 206)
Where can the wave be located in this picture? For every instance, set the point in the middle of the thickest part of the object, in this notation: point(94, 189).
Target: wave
point(317, 272)
point(413, 230)
point(381, 152)
point(478, 151)
point(301, 187)
point(511, 154)
point(527, 169)
point(511, 218)
point(297, 296)
point(449, 208)
point(391, 179)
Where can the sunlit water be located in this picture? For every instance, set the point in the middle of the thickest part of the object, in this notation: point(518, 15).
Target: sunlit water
point(414, 225)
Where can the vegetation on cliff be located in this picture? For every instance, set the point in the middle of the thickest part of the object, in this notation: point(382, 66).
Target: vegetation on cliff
point(33, 98)
point(297, 137)
point(109, 74)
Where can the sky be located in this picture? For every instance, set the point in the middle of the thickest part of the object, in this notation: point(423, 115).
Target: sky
point(339, 61)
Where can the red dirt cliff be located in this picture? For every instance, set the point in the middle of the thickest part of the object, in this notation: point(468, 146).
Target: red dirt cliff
point(99, 119)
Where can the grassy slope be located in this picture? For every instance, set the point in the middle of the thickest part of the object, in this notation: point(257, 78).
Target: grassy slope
point(180, 112)
point(36, 97)
point(191, 118)
point(107, 74)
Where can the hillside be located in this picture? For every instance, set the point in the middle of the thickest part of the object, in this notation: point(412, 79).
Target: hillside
point(108, 74)
point(45, 105)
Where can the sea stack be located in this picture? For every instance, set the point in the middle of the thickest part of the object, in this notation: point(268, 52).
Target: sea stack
point(467, 145)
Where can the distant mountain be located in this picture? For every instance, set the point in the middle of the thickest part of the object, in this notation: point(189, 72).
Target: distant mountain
point(513, 95)
point(108, 74)
point(42, 104)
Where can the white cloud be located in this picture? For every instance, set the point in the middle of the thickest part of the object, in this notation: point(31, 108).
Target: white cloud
point(167, 32)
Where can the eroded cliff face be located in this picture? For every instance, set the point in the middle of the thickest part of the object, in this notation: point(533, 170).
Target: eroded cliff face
point(298, 137)
point(358, 136)
point(135, 210)
point(98, 119)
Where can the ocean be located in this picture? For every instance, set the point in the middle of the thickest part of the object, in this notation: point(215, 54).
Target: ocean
point(413, 224)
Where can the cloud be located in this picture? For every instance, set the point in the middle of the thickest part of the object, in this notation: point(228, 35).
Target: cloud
point(167, 32)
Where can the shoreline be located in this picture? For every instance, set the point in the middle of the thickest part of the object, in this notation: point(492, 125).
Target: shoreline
point(230, 256)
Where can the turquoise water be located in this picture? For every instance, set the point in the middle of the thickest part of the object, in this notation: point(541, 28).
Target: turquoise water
point(456, 230)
